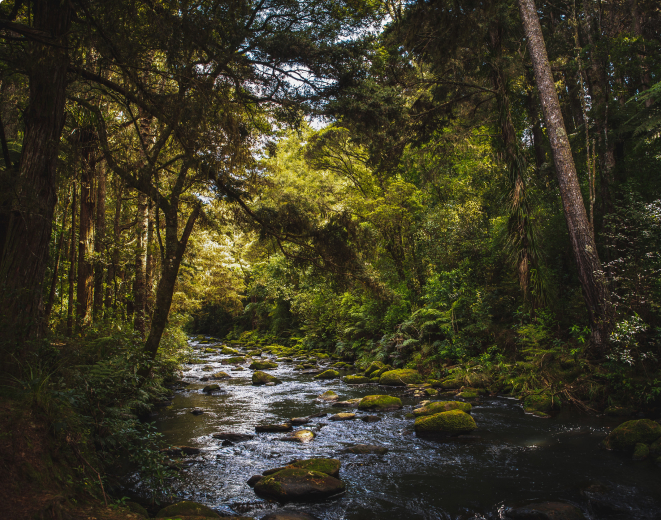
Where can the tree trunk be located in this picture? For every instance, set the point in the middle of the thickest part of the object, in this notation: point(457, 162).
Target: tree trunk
point(111, 288)
point(86, 233)
point(99, 237)
point(56, 267)
point(174, 252)
point(72, 262)
point(595, 293)
point(149, 273)
point(28, 229)
point(140, 284)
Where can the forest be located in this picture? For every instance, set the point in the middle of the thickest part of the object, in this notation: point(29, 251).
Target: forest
point(429, 199)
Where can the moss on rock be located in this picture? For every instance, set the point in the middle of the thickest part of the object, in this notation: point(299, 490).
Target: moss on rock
point(453, 422)
point(380, 402)
point(541, 404)
point(641, 451)
point(187, 508)
point(263, 365)
point(328, 396)
point(329, 466)
point(401, 377)
point(221, 375)
point(229, 351)
point(298, 484)
point(261, 378)
point(442, 406)
point(655, 448)
point(373, 367)
point(236, 360)
point(628, 434)
point(356, 380)
point(328, 374)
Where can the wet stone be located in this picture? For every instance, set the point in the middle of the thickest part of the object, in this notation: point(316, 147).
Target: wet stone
point(343, 417)
point(289, 515)
point(296, 421)
point(285, 427)
point(546, 511)
point(197, 411)
point(370, 418)
point(234, 437)
point(302, 436)
point(366, 449)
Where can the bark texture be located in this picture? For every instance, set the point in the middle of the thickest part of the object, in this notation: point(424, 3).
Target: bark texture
point(590, 274)
point(86, 230)
point(99, 237)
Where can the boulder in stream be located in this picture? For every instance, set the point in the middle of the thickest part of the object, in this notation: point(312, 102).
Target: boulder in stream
point(342, 417)
point(641, 451)
point(546, 511)
point(234, 437)
point(356, 380)
point(328, 374)
point(211, 388)
point(187, 509)
point(373, 367)
point(328, 396)
point(299, 485)
point(229, 351)
point(380, 402)
point(539, 404)
point(442, 406)
point(297, 421)
point(263, 365)
point(628, 434)
point(221, 375)
point(303, 436)
point(236, 360)
point(400, 377)
point(277, 428)
point(370, 418)
point(329, 466)
point(454, 422)
point(261, 378)
point(366, 449)
point(349, 403)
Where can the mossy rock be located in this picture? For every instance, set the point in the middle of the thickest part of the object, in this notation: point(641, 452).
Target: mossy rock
point(328, 396)
point(431, 392)
point(302, 436)
point(541, 404)
point(208, 368)
point(211, 388)
point(401, 377)
point(454, 422)
point(209, 351)
point(449, 384)
point(137, 509)
point(221, 375)
point(655, 448)
point(187, 508)
point(236, 360)
point(255, 353)
point(328, 374)
point(641, 451)
point(546, 511)
point(628, 434)
point(322, 356)
point(469, 393)
point(619, 411)
point(375, 379)
point(373, 367)
point(382, 371)
point(229, 351)
point(366, 449)
point(442, 406)
point(380, 402)
point(299, 485)
point(356, 380)
point(342, 417)
point(329, 466)
point(261, 378)
point(263, 365)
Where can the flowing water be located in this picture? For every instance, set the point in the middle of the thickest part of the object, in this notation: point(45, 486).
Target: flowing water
point(517, 458)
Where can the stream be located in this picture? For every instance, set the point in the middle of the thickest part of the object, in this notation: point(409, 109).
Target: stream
point(515, 459)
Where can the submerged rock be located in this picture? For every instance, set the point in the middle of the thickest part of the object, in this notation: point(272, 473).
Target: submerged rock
point(546, 511)
point(234, 437)
point(262, 378)
point(541, 404)
point(349, 403)
point(221, 375)
point(262, 365)
point(370, 418)
point(180, 451)
point(185, 509)
point(454, 422)
point(303, 436)
point(366, 449)
point(342, 417)
point(211, 388)
point(284, 427)
point(299, 484)
point(197, 411)
point(356, 380)
point(628, 434)
point(442, 406)
point(299, 420)
point(328, 396)
point(328, 374)
point(237, 360)
point(380, 402)
point(401, 377)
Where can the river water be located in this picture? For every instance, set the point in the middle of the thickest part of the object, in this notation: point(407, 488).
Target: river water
point(517, 459)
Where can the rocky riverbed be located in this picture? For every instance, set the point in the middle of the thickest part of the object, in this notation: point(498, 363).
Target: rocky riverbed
point(500, 462)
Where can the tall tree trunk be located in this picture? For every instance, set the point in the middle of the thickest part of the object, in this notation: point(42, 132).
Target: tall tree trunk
point(99, 237)
point(114, 259)
point(28, 229)
point(174, 252)
point(595, 292)
point(56, 267)
point(86, 233)
point(72, 262)
point(140, 284)
point(151, 262)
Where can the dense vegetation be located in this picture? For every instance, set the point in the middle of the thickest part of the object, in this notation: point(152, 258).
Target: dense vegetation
point(429, 184)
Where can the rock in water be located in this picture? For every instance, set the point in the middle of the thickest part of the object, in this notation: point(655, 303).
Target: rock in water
point(366, 449)
point(234, 437)
point(254, 479)
point(380, 402)
point(356, 380)
point(262, 378)
point(370, 418)
point(628, 434)
point(262, 365)
point(197, 411)
point(329, 466)
point(288, 515)
point(299, 485)
point(277, 428)
point(186, 509)
point(342, 417)
point(221, 375)
point(546, 511)
point(540, 404)
point(401, 377)
point(454, 422)
point(442, 406)
point(233, 361)
point(328, 396)
point(303, 436)
point(328, 374)
point(211, 388)
point(296, 421)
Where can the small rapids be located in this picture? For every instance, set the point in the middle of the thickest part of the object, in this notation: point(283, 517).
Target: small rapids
point(515, 459)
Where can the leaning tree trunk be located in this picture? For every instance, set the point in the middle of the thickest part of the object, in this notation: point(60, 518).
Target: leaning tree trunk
point(174, 252)
point(28, 229)
point(590, 274)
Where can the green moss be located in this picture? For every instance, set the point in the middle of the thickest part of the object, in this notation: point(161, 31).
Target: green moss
point(229, 351)
point(655, 448)
point(541, 403)
point(382, 371)
point(255, 353)
point(137, 509)
point(442, 406)
point(373, 367)
point(379, 402)
point(328, 396)
point(221, 375)
point(628, 434)
point(449, 384)
point(328, 466)
point(187, 508)
point(298, 484)
point(431, 392)
point(453, 422)
point(401, 377)
point(210, 351)
point(261, 378)
point(263, 365)
point(211, 388)
point(328, 374)
point(619, 411)
point(641, 451)
point(356, 380)
point(236, 360)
